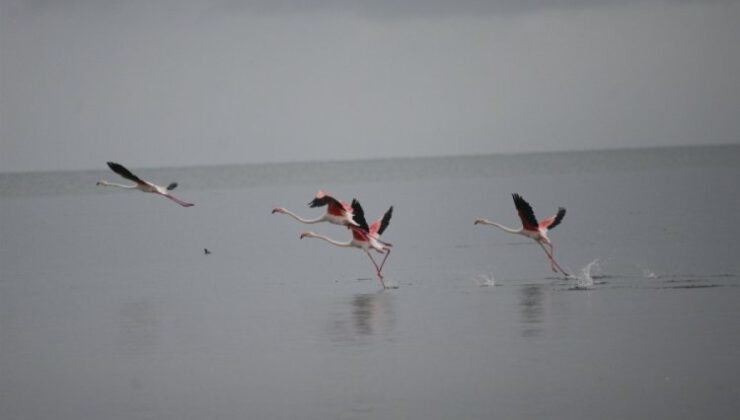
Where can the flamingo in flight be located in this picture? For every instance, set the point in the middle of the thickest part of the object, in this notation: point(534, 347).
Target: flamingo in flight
point(142, 185)
point(533, 229)
point(364, 237)
point(337, 212)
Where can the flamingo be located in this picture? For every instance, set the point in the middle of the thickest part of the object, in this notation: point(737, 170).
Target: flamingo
point(532, 229)
point(376, 229)
point(142, 185)
point(337, 212)
point(364, 237)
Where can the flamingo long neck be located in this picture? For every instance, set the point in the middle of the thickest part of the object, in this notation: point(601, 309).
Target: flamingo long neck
point(302, 220)
point(332, 241)
point(502, 227)
point(113, 184)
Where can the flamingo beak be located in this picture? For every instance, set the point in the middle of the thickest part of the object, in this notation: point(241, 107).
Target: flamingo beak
point(275, 210)
point(476, 222)
point(303, 235)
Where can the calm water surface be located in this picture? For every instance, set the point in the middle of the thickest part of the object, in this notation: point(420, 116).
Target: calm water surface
point(109, 308)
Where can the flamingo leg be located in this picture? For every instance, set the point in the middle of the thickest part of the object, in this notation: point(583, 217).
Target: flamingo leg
point(377, 269)
point(552, 257)
point(553, 263)
point(177, 200)
point(549, 256)
point(387, 253)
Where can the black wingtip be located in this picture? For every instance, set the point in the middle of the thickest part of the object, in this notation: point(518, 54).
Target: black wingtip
point(525, 211)
point(358, 215)
point(385, 221)
point(558, 218)
point(518, 200)
point(172, 186)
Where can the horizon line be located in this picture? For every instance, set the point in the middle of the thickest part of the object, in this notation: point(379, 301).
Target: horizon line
point(399, 158)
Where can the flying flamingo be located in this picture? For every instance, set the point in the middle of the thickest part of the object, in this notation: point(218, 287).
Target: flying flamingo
point(337, 212)
point(376, 229)
point(532, 229)
point(142, 185)
point(364, 237)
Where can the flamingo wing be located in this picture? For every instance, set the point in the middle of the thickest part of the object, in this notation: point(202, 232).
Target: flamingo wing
point(380, 225)
point(359, 235)
point(125, 173)
point(358, 214)
point(529, 221)
point(552, 221)
point(346, 207)
point(322, 199)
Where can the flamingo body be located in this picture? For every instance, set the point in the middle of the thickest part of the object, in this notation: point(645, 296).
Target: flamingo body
point(337, 212)
point(364, 237)
point(533, 229)
point(141, 185)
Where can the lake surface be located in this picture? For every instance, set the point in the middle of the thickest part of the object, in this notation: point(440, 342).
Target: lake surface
point(109, 308)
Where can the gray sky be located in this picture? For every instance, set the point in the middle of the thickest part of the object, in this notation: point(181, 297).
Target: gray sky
point(182, 82)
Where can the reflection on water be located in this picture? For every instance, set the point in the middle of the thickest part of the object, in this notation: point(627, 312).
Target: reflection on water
point(87, 334)
point(363, 317)
point(530, 301)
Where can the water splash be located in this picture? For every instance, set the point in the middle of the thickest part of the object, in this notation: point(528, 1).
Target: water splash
point(391, 283)
point(485, 280)
point(649, 274)
point(585, 279)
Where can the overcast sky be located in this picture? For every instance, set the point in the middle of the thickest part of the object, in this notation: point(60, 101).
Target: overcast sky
point(183, 82)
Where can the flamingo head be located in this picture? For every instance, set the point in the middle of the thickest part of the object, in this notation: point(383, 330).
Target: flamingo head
point(278, 210)
point(101, 182)
point(481, 222)
point(308, 234)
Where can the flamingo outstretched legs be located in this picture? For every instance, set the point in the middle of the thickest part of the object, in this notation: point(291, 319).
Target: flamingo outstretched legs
point(550, 255)
point(377, 269)
point(387, 253)
point(552, 259)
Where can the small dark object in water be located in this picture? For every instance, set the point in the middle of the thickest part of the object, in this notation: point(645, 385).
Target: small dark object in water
point(206, 251)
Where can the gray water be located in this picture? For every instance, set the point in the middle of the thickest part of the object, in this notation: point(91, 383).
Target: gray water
point(109, 308)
